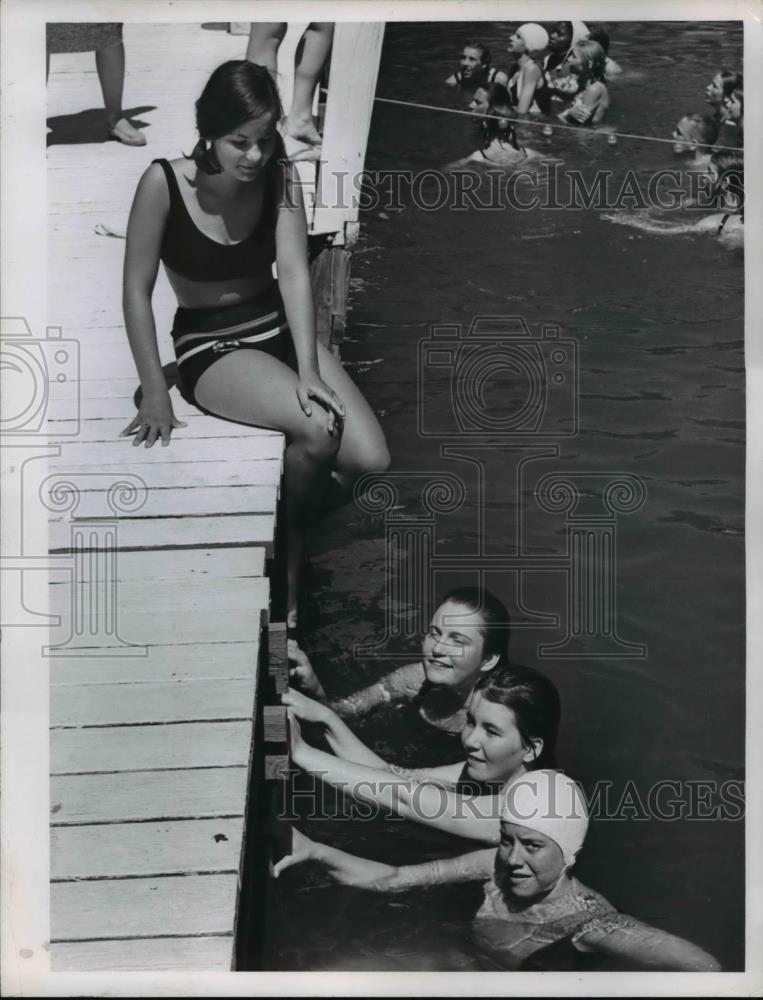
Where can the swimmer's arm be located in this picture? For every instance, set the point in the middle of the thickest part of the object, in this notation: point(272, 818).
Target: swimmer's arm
point(426, 802)
point(452, 81)
point(377, 877)
point(530, 81)
point(293, 269)
point(502, 78)
point(646, 947)
point(145, 230)
point(602, 105)
point(344, 743)
point(398, 685)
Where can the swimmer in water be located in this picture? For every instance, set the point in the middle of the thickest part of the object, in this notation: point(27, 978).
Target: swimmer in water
point(468, 637)
point(500, 147)
point(528, 88)
point(475, 68)
point(732, 111)
point(727, 172)
point(611, 68)
point(591, 102)
point(562, 37)
point(535, 914)
point(720, 87)
point(512, 718)
point(696, 134)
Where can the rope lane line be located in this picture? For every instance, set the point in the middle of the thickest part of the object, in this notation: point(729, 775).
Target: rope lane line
point(539, 124)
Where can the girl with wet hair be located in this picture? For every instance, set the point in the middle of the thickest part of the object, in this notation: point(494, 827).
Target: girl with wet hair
point(587, 62)
point(245, 342)
point(510, 728)
point(468, 637)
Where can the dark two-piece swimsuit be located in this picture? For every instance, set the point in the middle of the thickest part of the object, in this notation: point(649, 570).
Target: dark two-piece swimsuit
point(201, 335)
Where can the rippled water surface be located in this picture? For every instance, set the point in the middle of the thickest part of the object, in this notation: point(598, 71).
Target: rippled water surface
point(659, 323)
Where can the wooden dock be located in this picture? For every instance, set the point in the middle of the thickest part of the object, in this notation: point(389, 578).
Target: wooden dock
point(158, 672)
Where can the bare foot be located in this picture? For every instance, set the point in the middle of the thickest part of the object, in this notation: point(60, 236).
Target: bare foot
point(126, 133)
point(303, 130)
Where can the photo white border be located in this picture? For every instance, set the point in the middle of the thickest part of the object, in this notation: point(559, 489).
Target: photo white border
point(24, 804)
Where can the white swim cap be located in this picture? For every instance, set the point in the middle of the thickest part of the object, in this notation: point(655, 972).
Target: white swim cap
point(534, 36)
point(579, 31)
point(552, 804)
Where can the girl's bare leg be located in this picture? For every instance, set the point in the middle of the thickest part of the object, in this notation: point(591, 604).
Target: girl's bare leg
point(264, 39)
point(254, 388)
point(316, 43)
point(110, 63)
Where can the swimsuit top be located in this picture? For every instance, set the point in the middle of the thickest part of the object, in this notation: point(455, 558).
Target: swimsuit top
point(188, 251)
point(489, 77)
point(541, 97)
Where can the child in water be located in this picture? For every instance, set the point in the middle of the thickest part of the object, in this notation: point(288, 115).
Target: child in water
point(475, 69)
point(535, 914)
point(500, 147)
point(587, 62)
point(696, 134)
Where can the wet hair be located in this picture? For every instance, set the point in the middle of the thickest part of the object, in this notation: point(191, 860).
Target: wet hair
point(236, 92)
point(601, 36)
point(705, 128)
point(739, 94)
point(594, 60)
point(495, 616)
point(533, 699)
point(730, 80)
point(499, 106)
point(485, 56)
point(730, 166)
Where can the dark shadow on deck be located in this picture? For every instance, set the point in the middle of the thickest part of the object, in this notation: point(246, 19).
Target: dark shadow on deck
point(89, 126)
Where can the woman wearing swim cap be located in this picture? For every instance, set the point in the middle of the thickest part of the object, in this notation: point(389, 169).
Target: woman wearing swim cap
point(512, 718)
point(528, 88)
point(535, 914)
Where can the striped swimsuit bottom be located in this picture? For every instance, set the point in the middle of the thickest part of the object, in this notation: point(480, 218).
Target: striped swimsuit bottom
point(201, 336)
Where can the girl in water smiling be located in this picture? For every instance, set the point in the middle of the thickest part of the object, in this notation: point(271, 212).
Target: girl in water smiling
point(587, 61)
point(245, 343)
point(535, 914)
point(512, 718)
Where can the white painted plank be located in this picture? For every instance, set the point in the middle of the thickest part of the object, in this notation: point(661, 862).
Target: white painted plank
point(199, 428)
point(154, 628)
point(147, 795)
point(204, 661)
point(196, 904)
point(202, 500)
point(189, 565)
point(237, 447)
point(134, 748)
point(166, 532)
point(354, 69)
point(244, 594)
point(169, 848)
point(189, 954)
point(161, 701)
point(164, 475)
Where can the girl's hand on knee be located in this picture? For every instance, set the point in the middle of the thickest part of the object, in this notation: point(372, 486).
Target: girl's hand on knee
point(155, 419)
point(312, 386)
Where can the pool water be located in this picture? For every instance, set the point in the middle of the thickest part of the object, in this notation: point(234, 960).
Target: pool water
point(659, 323)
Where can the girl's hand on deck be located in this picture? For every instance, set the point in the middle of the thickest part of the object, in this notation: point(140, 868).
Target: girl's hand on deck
point(302, 849)
point(312, 386)
point(301, 672)
point(154, 419)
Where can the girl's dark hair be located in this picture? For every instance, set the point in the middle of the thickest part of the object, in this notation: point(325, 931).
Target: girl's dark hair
point(236, 92)
point(533, 699)
point(730, 80)
point(497, 622)
point(601, 36)
point(730, 166)
point(705, 127)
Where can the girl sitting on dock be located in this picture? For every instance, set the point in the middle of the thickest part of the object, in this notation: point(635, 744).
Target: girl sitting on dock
point(512, 718)
point(586, 62)
point(468, 637)
point(245, 343)
point(535, 914)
